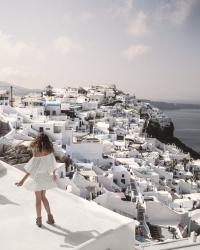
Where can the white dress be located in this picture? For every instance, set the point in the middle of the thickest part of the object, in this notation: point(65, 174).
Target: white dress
point(40, 170)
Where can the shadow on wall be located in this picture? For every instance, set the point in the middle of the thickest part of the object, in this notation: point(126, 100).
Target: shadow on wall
point(3, 171)
point(3, 199)
point(72, 239)
point(6, 201)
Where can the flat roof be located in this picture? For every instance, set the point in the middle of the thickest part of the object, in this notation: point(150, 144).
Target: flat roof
point(88, 173)
point(79, 223)
point(52, 103)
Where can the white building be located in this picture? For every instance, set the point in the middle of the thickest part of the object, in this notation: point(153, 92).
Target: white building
point(4, 97)
point(57, 130)
point(33, 101)
point(52, 107)
point(96, 97)
point(121, 176)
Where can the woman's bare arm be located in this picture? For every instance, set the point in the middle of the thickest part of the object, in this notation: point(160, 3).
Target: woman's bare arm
point(20, 183)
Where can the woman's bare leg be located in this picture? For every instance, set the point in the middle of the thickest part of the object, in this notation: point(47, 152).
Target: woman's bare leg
point(45, 202)
point(38, 196)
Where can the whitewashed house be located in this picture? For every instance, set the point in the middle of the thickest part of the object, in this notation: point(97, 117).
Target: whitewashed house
point(52, 107)
point(121, 176)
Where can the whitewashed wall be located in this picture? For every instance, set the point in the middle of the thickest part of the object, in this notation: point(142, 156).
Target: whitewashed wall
point(120, 239)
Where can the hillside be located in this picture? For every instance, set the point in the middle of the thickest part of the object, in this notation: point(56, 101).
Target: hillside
point(17, 90)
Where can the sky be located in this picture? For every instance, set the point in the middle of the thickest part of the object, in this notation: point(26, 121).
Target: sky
point(149, 48)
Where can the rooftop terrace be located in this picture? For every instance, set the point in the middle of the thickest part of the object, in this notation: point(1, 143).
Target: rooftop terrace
point(80, 224)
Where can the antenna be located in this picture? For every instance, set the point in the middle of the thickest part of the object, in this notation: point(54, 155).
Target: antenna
point(11, 96)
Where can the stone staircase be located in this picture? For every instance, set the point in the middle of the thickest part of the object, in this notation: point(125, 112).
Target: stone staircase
point(144, 229)
point(140, 213)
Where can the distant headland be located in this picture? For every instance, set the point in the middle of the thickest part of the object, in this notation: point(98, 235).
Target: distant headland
point(171, 105)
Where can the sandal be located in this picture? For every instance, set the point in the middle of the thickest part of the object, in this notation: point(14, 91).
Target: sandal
point(39, 221)
point(50, 219)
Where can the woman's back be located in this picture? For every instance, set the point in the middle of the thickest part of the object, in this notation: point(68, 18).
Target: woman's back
point(40, 154)
point(41, 163)
point(40, 169)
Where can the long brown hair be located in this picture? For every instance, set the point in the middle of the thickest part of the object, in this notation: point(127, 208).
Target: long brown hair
point(42, 143)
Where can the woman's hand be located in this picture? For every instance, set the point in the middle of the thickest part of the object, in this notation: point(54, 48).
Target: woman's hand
point(19, 184)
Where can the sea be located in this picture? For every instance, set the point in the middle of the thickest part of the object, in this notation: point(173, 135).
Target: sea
point(187, 126)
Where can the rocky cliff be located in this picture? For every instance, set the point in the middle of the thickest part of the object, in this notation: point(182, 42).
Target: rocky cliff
point(16, 155)
point(166, 135)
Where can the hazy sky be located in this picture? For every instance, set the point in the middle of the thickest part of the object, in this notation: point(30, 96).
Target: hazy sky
point(147, 47)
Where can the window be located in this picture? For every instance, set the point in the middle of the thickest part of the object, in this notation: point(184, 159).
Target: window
point(41, 129)
point(122, 175)
point(123, 181)
point(47, 128)
point(115, 181)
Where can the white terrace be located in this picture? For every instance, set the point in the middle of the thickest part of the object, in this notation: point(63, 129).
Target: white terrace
point(80, 224)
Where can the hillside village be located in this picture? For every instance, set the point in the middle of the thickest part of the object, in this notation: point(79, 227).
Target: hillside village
point(107, 153)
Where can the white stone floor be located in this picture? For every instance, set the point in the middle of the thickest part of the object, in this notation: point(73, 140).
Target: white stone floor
point(77, 221)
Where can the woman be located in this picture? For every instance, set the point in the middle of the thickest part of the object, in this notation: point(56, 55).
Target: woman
point(39, 168)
